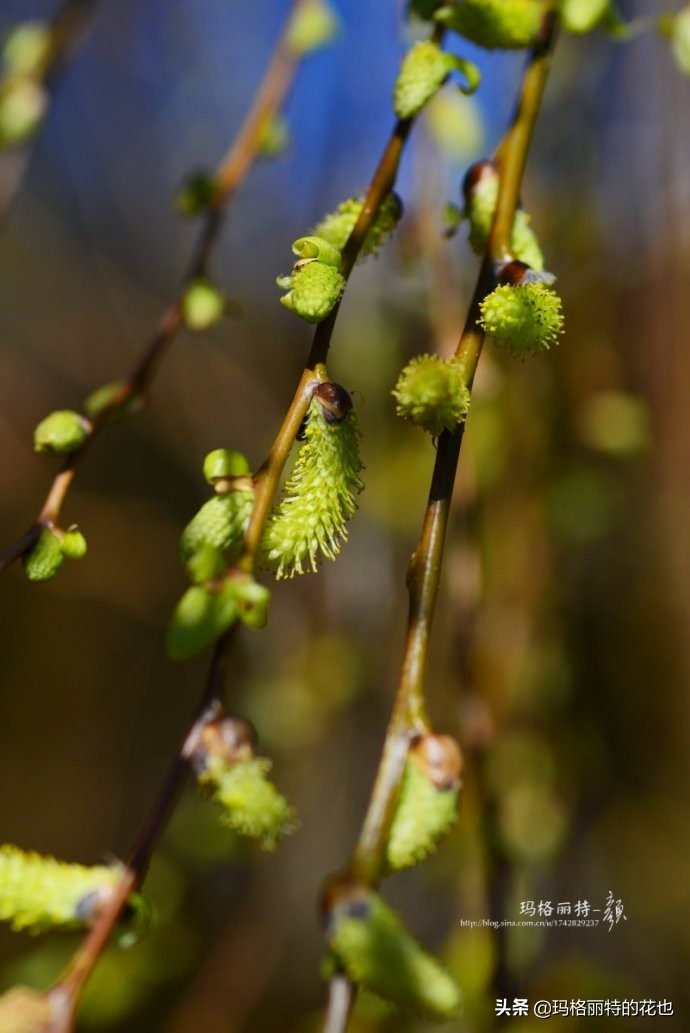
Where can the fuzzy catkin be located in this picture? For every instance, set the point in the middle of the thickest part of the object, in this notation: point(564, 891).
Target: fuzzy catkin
point(319, 496)
point(39, 893)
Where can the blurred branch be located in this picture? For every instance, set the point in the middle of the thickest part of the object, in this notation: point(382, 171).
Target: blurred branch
point(409, 717)
point(66, 32)
point(341, 999)
point(64, 996)
point(231, 172)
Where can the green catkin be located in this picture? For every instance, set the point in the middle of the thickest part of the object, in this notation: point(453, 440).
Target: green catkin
point(250, 803)
point(423, 816)
point(423, 71)
point(373, 947)
point(314, 288)
point(524, 318)
point(45, 559)
point(219, 524)
point(479, 212)
point(39, 893)
point(319, 496)
point(337, 226)
point(495, 24)
point(61, 432)
point(201, 616)
point(431, 393)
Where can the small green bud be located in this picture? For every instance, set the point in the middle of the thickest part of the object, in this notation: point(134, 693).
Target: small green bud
point(424, 69)
point(313, 25)
point(432, 394)
point(495, 24)
point(317, 247)
point(63, 431)
point(45, 559)
point(252, 601)
point(480, 190)
point(26, 48)
point(251, 805)
point(375, 950)
point(202, 615)
point(580, 16)
point(23, 104)
point(202, 304)
point(220, 523)
point(428, 800)
point(103, 398)
point(275, 138)
point(525, 318)
point(23, 1010)
point(206, 564)
point(224, 463)
point(73, 543)
point(195, 195)
point(314, 290)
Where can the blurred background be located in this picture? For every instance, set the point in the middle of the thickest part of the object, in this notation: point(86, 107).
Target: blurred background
point(560, 652)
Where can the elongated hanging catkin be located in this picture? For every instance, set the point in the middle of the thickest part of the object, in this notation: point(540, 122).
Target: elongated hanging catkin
point(319, 496)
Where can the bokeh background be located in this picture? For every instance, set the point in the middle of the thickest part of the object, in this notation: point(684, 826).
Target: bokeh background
point(560, 652)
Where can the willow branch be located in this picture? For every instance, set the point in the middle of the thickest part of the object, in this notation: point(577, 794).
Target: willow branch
point(268, 475)
point(409, 717)
point(230, 173)
point(341, 999)
point(65, 995)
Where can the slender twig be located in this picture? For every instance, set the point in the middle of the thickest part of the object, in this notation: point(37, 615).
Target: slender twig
point(268, 475)
point(230, 173)
point(65, 995)
point(408, 716)
point(341, 999)
point(66, 32)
